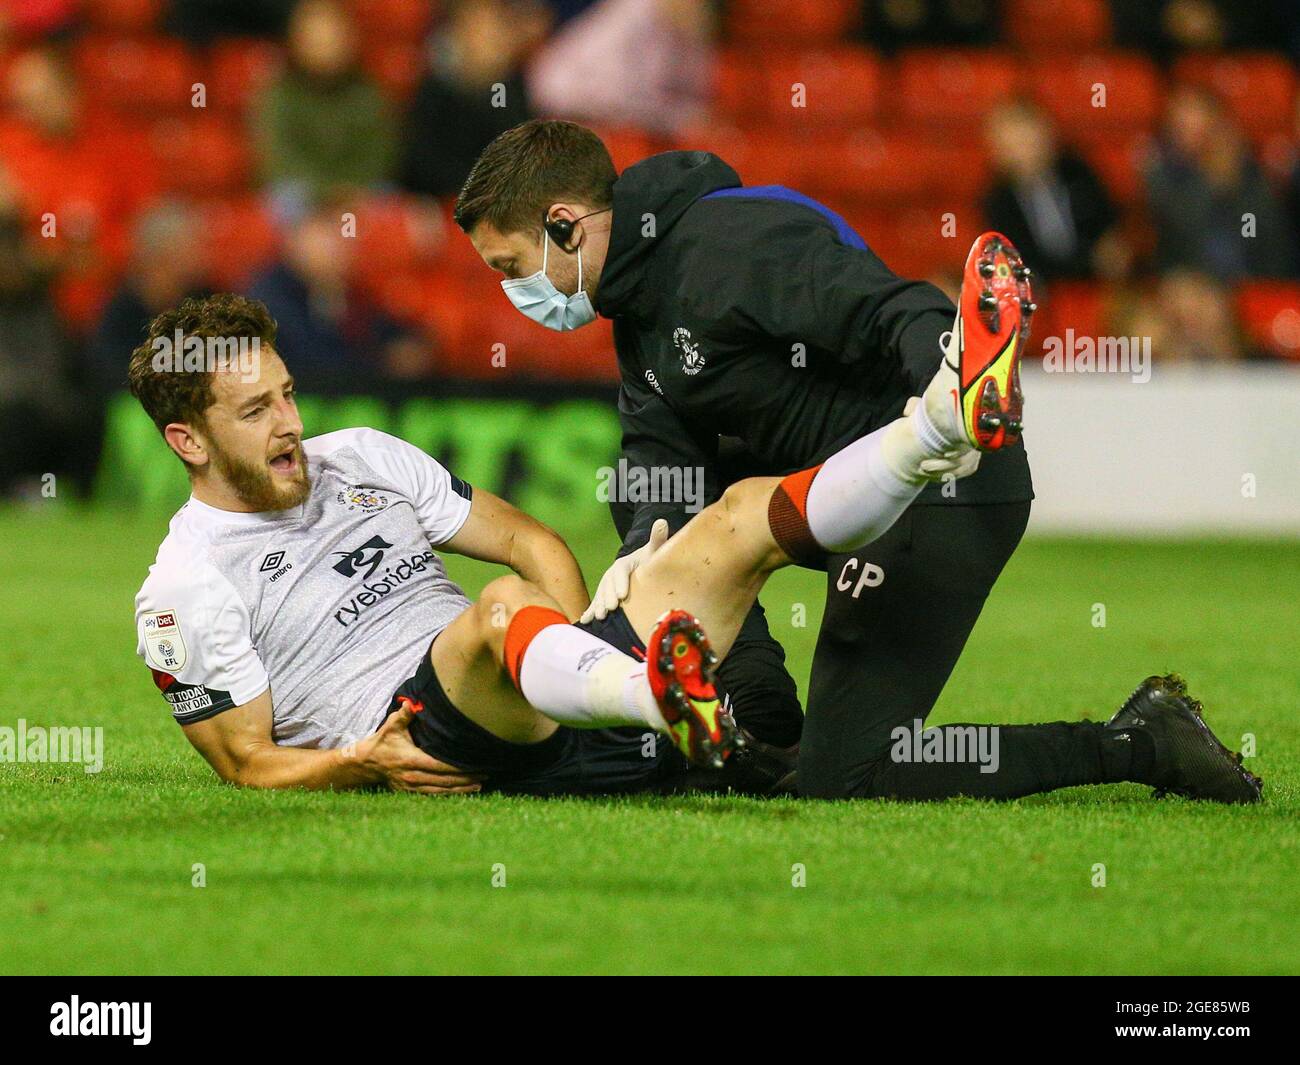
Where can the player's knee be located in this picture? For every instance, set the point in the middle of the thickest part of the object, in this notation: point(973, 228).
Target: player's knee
point(501, 600)
point(744, 507)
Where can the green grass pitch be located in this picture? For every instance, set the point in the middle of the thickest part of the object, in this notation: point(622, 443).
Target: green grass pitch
point(96, 870)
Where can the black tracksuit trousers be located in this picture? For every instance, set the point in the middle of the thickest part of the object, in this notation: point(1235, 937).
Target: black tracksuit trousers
point(898, 614)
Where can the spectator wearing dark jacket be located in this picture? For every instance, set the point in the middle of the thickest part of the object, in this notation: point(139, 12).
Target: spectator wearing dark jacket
point(167, 265)
point(330, 332)
point(472, 91)
point(42, 412)
point(1213, 210)
point(1049, 201)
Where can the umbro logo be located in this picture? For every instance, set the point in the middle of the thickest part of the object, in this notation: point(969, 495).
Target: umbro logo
point(590, 658)
point(275, 565)
point(369, 554)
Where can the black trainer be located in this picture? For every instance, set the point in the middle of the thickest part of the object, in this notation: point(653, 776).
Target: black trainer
point(1189, 759)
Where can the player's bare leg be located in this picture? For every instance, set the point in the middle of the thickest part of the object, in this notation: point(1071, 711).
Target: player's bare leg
point(714, 567)
point(718, 562)
point(469, 657)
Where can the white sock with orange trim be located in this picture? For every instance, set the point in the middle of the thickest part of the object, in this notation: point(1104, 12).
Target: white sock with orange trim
point(576, 678)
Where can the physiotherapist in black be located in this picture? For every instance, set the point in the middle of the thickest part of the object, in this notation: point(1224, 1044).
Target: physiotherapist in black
point(757, 315)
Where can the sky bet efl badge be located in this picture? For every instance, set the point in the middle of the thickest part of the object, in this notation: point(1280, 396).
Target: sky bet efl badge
point(163, 647)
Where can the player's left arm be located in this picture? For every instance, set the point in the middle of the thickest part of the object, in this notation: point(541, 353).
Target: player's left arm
point(497, 532)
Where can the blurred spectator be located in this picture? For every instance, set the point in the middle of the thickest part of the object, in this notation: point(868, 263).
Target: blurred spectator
point(168, 262)
point(41, 415)
point(65, 163)
point(322, 126)
point(1207, 196)
point(1168, 28)
point(646, 64)
point(893, 24)
point(473, 91)
point(203, 21)
point(1190, 318)
point(1046, 199)
point(330, 332)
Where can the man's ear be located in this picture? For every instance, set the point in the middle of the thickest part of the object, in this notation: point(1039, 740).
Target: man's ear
point(183, 440)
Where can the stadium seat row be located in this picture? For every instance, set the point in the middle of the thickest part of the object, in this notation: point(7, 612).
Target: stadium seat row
point(1030, 24)
point(1092, 95)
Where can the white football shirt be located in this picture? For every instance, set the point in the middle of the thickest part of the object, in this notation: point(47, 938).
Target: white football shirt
point(331, 604)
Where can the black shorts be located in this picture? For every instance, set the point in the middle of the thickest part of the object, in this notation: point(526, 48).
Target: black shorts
point(572, 761)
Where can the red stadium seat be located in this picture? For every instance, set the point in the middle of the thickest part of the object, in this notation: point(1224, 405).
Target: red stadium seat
point(761, 156)
point(738, 82)
point(792, 21)
point(894, 168)
point(627, 146)
point(240, 237)
point(135, 75)
point(456, 254)
point(1259, 89)
point(436, 301)
point(530, 351)
point(82, 293)
point(1063, 25)
point(1118, 161)
point(240, 68)
point(405, 21)
point(123, 16)
point(832, 86)
point(1077, 305)
point(920, 240)
point(1270, 312)
point(398, 233)
point(956, 86)
point(397, 67)
point(1133, 92)
point(203, 156)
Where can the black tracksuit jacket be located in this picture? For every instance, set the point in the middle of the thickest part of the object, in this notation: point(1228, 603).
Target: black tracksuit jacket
point(757, 315)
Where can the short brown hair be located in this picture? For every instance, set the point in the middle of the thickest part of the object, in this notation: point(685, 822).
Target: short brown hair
point(528, 168)
point(172, 394)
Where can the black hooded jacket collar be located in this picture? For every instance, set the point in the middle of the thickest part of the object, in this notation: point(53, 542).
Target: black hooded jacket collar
point(664, 186)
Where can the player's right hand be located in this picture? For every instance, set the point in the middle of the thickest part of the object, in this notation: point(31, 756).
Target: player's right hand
point(393, 757)
point(614, 586)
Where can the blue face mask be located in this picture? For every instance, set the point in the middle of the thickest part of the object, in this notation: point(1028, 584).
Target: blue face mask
point(538, 298)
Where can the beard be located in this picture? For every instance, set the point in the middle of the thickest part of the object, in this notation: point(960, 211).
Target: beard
point(258, 488)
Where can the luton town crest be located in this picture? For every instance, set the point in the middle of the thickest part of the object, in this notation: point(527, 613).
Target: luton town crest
point(354, 497)
point(692, 360)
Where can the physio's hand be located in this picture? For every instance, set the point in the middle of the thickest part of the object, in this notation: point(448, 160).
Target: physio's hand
point(958, 463)
point(613, 587)
point(392, 757)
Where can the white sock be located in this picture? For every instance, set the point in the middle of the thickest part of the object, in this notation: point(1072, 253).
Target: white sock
point(862, 489)
point(937, 418)
point(581, 681)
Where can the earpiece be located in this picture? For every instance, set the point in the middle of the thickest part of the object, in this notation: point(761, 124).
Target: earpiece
point(560, 230)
